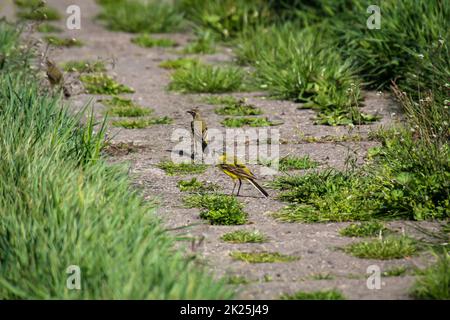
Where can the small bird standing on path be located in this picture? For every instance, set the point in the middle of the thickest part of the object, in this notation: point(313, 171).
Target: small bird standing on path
point(235, 169)
point(199, 128)
point(56, 77)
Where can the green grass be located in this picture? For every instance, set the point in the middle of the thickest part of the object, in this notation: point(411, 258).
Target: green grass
point(236, 280)
point(172, 168)
point(195, 185)
point(251, 122)
point(407, 178)
point(314, 295)
point(382, 56)
point(40, 13)
point(434, 282)
point(84, 66)
point(140, 123)
point(202, 78)
point(296, 163)
point(323, 196)
point(294, 65)
point(147, 41)
point(395, 272)
point(220, 100)
point(28, 3)
point(140, 16)
point(225, 19)
point(387, 248)
point(322, 276)
point(331, 138)
point(10, 55)
point(63, 42)
point(218, 209)
point(123, 107)
point(101, 83)
point(292, 163)
point(322, 55)
point(363, 229)
point(345, 117)
point(244, 236)
point(180, 63)
point(48, 28)
point(62, 205)
point(232, 106)
point(308, 214)
point(267, 278)
point(204, 43)
point(262, 257)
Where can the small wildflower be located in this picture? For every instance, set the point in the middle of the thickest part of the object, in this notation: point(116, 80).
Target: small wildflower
point(420, 56)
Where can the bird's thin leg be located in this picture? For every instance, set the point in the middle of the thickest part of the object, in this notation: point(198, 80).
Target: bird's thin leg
point(234, 187)
point(193, 153)
point(239, 189)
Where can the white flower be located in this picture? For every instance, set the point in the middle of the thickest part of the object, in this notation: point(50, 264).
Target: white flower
point(420, 56)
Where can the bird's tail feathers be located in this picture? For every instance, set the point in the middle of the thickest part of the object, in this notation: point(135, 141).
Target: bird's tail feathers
point(260, 189)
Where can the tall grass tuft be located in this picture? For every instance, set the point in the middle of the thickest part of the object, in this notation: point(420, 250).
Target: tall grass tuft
point(226, 18)
point(296, 65)
point(61, 205)
point(411, 34)
point(144, 16)
point(206, 78)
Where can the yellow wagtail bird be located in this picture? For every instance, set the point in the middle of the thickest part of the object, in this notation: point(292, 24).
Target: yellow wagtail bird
point(199, 128)
point(232, 167)
point(56, 77)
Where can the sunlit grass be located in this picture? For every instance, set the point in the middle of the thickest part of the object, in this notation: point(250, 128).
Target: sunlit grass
point(101, 83)
point(206, 78)
point(262, 257)
point(244, 236)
